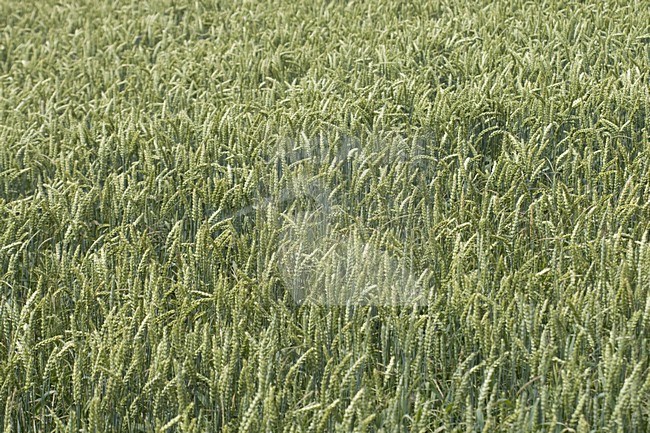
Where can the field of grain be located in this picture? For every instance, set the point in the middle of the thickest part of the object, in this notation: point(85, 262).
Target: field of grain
point(315, 216)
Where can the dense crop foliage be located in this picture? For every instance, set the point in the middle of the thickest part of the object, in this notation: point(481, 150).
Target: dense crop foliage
point(180, 183)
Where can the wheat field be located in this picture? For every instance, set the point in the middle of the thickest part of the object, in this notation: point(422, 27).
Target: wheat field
point(345, 216)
